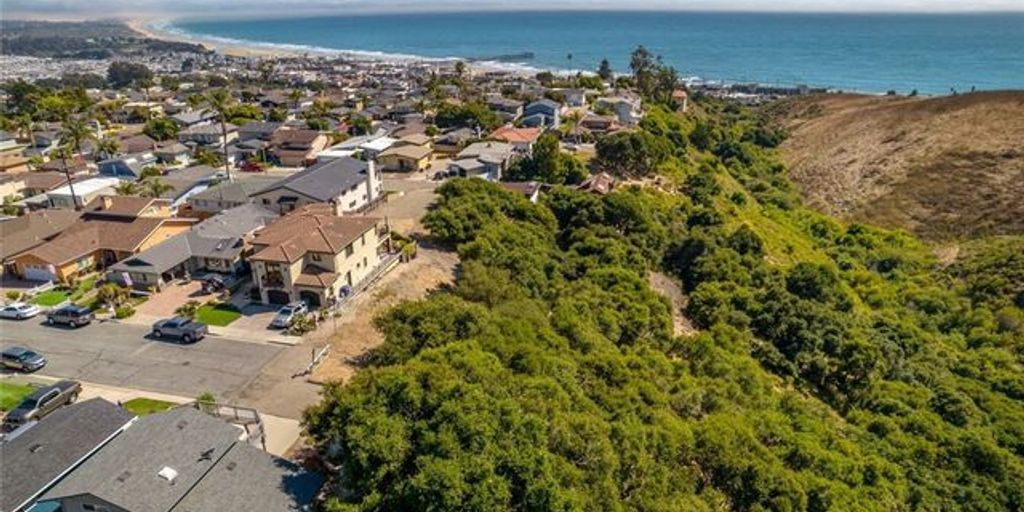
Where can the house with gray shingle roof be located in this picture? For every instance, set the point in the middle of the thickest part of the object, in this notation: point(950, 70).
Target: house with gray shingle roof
point(39, 456)
point(217, 244)
point(184, 460)
point(347, 184)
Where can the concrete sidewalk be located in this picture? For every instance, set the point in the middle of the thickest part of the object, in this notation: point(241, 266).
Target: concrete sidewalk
point(281, 433)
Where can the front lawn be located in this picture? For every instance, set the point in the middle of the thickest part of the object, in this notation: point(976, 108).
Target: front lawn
point(51, 297)
point(219, 315)
point(12, 394)
point(144, 406)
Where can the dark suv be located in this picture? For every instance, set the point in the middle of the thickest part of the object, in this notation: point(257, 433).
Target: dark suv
point(73, 316)
point(21, 359)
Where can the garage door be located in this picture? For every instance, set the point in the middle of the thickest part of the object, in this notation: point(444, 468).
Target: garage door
point(278, 297)
point(39, 274)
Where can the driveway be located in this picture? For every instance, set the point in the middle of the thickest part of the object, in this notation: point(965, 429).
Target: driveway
point(163, 303)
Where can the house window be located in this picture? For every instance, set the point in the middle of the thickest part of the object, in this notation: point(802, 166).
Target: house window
point(363, 239)
point(266, 201)
point(364, 261)
point(349, 250)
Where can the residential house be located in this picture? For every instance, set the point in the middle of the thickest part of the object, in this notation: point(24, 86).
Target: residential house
point(627, 109)
point(347, 184)
point(316, 256)
point(110, 229)
point(407, 158)
point(127, 167)
point(507, 109)
point(594, 123)
point(7, 141)
point(193, 118)
point(373, 148)
point(259, 130)
point(187, 182)
point(453, 141)
point(226, 195)
point(522, 139)
point(183, 460)
point(11, 163)
point(575, 97)
point(44, 141)
point(218, 244)
point(486, 159)
point(86, 191)
point(41, 182)
point(208, 135)
point(42, 454)
point(173, 153)
point(297, 148)
point(528, 189)
point(600, 183)
point(12, 186)
point(140, 143)
point(544, 113)
point(31, 230)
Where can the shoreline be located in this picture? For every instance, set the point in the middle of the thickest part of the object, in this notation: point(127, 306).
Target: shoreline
point(252, 49)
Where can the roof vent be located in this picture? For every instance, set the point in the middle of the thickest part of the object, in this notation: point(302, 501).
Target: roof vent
point(124, 476)
point(35, 448)
point(182, 424)
point(231, 466)
point(168, 473)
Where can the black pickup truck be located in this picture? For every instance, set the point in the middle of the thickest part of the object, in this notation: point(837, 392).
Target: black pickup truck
point(42, 402)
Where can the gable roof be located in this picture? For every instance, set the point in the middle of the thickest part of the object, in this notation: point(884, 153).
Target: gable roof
point(308, 230)
point(33, 229)
point(234, 191)
point(37, 457)
point(513, 135)
point(325, 180)
point(407, 151)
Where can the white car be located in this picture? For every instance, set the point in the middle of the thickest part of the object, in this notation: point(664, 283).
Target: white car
point(19, 311)
point(287, 315)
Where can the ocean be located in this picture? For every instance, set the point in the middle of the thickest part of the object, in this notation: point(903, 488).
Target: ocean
point(858, 52)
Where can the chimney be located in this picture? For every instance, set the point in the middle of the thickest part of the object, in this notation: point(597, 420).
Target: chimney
point(371, 181)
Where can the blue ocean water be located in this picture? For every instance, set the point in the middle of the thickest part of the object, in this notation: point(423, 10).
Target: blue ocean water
point(865, 52)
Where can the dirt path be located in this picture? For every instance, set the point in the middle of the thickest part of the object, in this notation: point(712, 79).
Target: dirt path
point(669, 287)
point(355, 334)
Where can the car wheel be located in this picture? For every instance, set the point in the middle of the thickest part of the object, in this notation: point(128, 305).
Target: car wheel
point(74, 398)
point(158, 334)
point(187, 338)
point(49, 320)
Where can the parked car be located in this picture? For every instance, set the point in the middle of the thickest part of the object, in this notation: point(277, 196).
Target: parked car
point(212, 283)
point(251, 167)
point(19, 311)
point(182, 328)
point(22, 359)
point(287, 315)
point(71, 315)
point(42, 402)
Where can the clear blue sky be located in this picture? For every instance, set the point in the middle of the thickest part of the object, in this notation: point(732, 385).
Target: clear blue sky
point(110, 8)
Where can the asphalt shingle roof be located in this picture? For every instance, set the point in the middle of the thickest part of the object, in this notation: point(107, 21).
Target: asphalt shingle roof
point(44, 452)
point(326, 180)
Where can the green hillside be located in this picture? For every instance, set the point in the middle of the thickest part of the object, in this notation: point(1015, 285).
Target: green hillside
point(838, 366)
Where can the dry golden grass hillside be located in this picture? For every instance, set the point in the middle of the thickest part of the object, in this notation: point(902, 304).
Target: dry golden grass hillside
point(944, 168)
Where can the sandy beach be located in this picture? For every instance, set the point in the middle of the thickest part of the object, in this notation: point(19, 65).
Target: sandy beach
point(147, 28)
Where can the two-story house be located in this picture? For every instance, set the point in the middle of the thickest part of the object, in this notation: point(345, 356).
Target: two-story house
point(544, 113)
point(347, 184)
point(316, 256)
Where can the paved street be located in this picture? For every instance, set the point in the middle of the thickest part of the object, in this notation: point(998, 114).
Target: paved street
point(121, 355)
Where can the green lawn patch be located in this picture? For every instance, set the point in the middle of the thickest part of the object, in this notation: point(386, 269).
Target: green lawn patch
point(219, 314)
point(51, 297)
point(83, 287)
point(12, 394)
point(144, 406)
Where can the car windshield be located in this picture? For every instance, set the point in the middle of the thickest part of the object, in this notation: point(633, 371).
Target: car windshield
point(285, 311)
point(28, 355)
point(28, 403)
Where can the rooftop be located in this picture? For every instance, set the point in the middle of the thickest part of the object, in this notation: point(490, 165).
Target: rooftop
point(308, 230)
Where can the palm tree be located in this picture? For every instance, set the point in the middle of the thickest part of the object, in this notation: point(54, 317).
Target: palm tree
point(74, 131)
point(127, 188)
point(27, 126)
point(194, 101)
point(155, 187)
point(295, 95)
point(220, 101)
point(63, 153)
point(108, 147)
point(573, 119)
